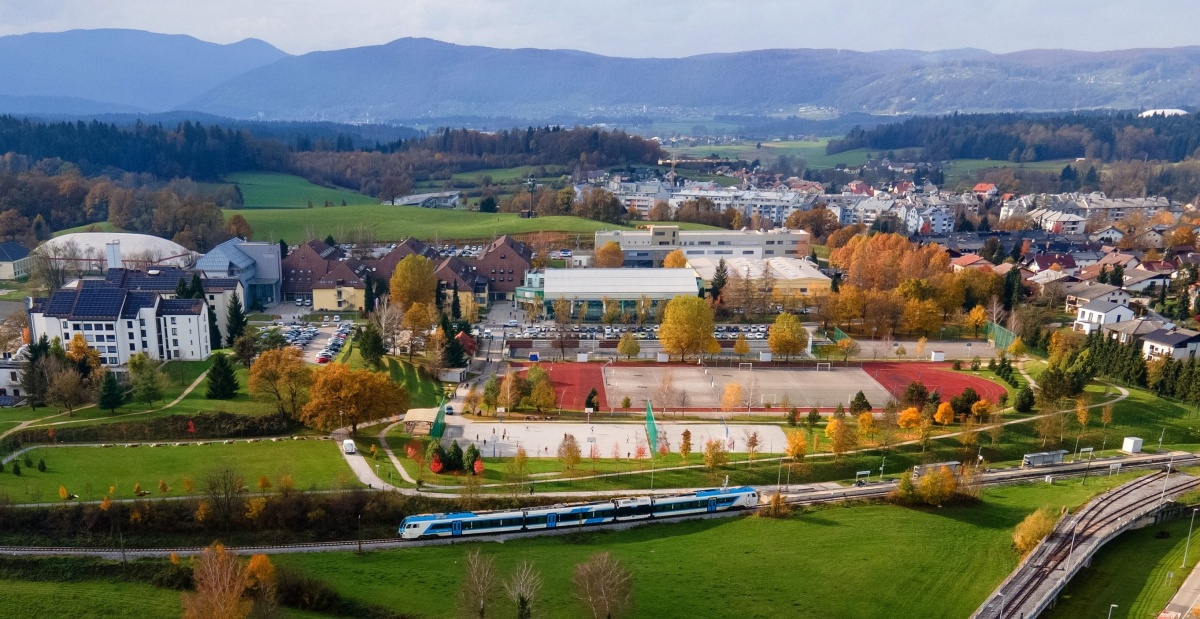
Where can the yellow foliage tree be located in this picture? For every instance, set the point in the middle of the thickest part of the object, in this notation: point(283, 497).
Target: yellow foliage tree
point(909, 418)
point(866, 426)
point(732, 398)
point(675, 260)
point(1032, 530)
point(975, 319)
point(944, 414)
point(981, 409)
point(788, 336)
point(220, 580)
point(841, 437)
point(1016, 349)
point(797, 445)
point(687, 326)
point(413, 281)
point(609, 256)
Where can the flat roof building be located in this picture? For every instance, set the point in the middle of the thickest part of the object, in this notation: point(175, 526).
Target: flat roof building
point(648, 246)
point(591, 289)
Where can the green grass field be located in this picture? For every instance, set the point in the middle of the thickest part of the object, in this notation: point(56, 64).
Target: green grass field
point(832, 562)
point(87, 599)
point(399, 222)
point(90, 471)
point(269, 190)
point(422, 393)
point(508, 175)
point(962, 172)
point(1137, 571)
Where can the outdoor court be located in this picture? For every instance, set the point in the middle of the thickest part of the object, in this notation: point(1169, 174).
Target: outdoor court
point(541, 439)
point(940, 376)
point(704, 387)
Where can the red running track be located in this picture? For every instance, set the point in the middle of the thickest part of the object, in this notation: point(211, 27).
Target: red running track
point(895, 377)
point(573, 381)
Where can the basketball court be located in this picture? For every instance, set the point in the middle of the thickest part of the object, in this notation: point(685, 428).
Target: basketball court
point(704, 386)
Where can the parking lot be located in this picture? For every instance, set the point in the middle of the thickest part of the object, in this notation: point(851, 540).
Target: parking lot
point(319, 342)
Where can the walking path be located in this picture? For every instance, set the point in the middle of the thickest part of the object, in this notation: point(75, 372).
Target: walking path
point(1187, 598)
point(38, 422)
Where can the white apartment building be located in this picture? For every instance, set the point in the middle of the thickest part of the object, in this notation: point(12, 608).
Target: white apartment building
point(118, 323)
point(640, 197)
point(647, 247)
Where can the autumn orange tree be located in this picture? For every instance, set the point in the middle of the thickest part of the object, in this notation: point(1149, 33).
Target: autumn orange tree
point(687, 326)
point(882, 261)
point(342, 396)
point(944, 414)
point(282, 375)
point(609, 256)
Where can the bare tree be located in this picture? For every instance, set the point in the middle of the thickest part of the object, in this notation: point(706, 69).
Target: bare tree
point(220, 579)
point(665, 393)
point(995, 310)
point(223, 490)
point(68, 389)
point(604, 586)
point(12, 330)
point(54, 263)
point(523, 588)
point(389, 319)
point(479, 585)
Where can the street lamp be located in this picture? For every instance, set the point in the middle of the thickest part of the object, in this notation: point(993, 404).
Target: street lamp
point(1002, 598)
point(1188, 546)
point(1110, 609)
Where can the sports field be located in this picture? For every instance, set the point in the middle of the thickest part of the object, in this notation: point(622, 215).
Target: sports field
point(542, 439)
point(895, 377)
point(760, 386)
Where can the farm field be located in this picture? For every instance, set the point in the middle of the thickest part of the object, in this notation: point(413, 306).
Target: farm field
point(1138, 571)
point(394, 223)
point(812, 151)
point(961, 172)
point(941, 553)
point(269, 190)
point(90, 471)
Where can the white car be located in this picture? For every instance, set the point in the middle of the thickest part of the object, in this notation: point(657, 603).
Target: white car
point(512, 323)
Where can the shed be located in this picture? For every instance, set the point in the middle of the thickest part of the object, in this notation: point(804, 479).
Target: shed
point(1043, 458)
point(419, 421)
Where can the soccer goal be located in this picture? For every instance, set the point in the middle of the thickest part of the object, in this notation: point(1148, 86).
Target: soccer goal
point(825, 366)
point(746, 366)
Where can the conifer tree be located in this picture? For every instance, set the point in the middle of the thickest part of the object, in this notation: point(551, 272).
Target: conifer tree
point(222, 383)
point(235, 320)
point(111, 393)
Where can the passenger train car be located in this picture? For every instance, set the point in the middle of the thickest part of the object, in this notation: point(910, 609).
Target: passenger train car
point(457, 524)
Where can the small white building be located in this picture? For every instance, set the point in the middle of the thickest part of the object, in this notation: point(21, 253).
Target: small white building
point(1098, 313)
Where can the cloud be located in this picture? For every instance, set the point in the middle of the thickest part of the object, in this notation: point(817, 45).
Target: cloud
point(637, 27)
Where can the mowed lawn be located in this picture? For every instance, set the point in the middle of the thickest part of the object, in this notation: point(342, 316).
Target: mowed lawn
point(87, 599)
point(270, 190)
point(813, 152)
point(392, 223)
point(863, 561)
point(1138, 571)
point(90, 471)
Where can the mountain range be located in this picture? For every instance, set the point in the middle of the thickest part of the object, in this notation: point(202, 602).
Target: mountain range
point(415, 80)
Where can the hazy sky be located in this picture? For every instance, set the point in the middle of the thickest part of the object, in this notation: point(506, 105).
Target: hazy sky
point(638, 27)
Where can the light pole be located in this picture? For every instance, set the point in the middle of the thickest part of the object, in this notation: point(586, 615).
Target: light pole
point(1162, 498)
point(1188, 545)
point(1110, 609)
point(881, 464)
point(1001, 595)
point(1160, 438)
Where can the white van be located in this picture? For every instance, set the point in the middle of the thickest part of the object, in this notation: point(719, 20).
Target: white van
point(348, 446)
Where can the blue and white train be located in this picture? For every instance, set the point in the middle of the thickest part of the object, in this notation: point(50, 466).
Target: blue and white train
point(457, 524)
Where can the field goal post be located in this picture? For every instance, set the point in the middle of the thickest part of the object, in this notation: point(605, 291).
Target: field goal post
point(827, 366)
point(745, 366)
point(766, 399)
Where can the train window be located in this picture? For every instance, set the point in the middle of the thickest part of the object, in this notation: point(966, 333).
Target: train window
point(535, 520)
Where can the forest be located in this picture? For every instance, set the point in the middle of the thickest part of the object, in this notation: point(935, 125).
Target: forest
point(1020, 137)
point(158, 180)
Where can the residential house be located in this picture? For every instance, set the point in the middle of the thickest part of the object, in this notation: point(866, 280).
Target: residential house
point(1109, 235)
point(305, 265)
point(1098, 313)
point(1132, 331)
point(452, 271)
point(1175, 343)
point(1139, 280)
point(343, 288)
point(969, 261)
point(985, 190)
point(1051, 260)
point(1082, 293)
point(15, 261)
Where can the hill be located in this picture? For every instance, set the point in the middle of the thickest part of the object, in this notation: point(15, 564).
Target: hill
point(420, 79)
point(118, 70)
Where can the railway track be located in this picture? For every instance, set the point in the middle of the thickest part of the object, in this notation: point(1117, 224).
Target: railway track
point(1055, 556)
point(872, 491)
